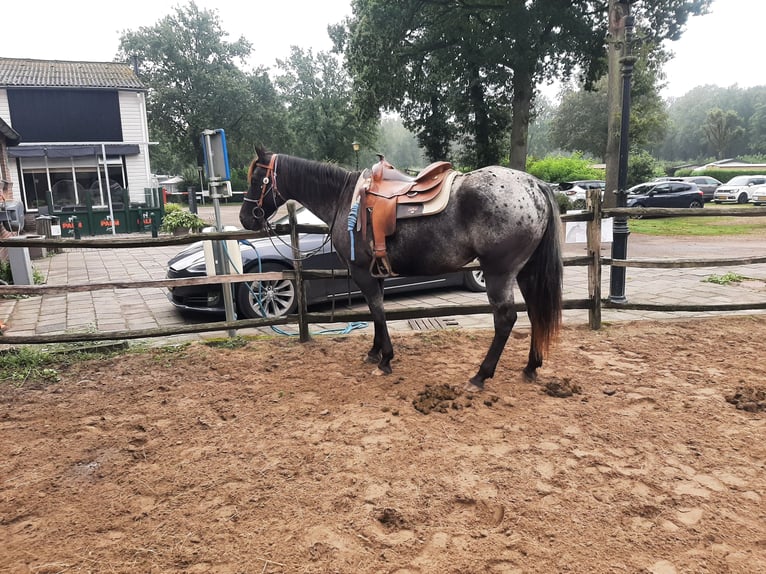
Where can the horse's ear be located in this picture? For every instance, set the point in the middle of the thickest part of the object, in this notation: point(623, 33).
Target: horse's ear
point(260, 152)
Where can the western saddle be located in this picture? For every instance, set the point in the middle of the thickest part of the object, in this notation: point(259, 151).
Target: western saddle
point(387, 194)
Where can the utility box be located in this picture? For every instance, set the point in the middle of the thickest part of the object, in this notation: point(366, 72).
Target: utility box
point(21, 266)
point(49, 226)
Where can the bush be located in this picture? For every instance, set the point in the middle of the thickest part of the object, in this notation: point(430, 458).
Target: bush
point(722, 175)
point(555, 169)
point(642, 167)
point(564, 203)
point(179, 218)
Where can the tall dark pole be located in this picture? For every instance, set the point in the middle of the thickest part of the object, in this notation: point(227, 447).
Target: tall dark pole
point(620, 229)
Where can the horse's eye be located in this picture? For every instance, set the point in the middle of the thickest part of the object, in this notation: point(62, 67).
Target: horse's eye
point(265, 181)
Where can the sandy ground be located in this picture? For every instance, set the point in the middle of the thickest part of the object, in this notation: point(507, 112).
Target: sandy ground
point(640, 449)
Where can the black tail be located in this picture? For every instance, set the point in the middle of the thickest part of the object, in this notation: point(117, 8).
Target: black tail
point(544, 275)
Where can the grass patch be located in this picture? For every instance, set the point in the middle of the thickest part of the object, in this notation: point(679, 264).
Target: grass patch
point(696, 226)
point(702, 226)
point(725, 279)
point(39, 366)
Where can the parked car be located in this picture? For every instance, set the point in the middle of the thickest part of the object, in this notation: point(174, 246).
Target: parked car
point(665, 194)
point(577, 191)
point(738, 189)
point(707, 185)
point(278, 298)
point(758, 195)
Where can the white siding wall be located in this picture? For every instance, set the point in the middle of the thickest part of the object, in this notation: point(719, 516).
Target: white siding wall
point(134, 130)
point(5, 113)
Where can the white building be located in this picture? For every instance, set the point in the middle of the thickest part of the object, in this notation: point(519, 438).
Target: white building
point(83, 132)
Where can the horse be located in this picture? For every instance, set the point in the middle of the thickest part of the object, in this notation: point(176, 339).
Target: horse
point(507, 219)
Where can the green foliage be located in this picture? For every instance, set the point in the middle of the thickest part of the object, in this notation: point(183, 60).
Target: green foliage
point(564, 203)
point(181, 219)
point(468, 71)
point(694, 226)
point(23, 364)
point(722, 175)
point(555, 169)
point(399, 145)
point(321, 120)
point(6, 277)
point(194, 84)
point(642, 167)
point(721, 129)
point(686, 139)
point(725, 279)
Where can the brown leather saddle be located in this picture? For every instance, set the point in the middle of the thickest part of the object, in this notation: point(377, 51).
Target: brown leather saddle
point(389, 194)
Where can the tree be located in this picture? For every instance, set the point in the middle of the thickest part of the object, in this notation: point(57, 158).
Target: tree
point(721, 129)
point(399, 145)
point(580, 123)
point(473, 66)
point(686, 139)
point(656, 20)
point(321, 120)
point(195, 84)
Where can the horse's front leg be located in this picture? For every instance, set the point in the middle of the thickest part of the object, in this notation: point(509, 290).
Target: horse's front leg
point(382, 350)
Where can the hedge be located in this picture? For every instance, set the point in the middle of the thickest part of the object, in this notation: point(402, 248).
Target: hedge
point(722, 175)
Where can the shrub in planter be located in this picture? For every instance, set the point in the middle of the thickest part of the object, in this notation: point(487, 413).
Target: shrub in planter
point(179, 220)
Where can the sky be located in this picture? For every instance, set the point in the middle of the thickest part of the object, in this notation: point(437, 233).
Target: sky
point(719, 48)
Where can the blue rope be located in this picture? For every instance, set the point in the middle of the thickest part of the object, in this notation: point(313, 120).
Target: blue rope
point(352, 217)
point(351, 326)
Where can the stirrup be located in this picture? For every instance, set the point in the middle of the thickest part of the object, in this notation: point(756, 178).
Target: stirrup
point(380, 267)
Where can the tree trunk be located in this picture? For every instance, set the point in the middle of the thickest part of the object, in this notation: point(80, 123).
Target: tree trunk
point(484, 155)
point(617, 13)
point(521, 106)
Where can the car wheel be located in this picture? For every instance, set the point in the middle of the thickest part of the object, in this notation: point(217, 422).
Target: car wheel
point(474, 280)
point(757, 203)
point(742, 198)
point(579, 204)
point(695, 204)
point(258, 299)
point(716, 202)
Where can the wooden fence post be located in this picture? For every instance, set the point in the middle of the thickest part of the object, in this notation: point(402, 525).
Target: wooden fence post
point(594, 252)
point(300, 292)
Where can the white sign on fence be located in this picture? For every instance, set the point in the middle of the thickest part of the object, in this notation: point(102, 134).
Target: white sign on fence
point(576, 231)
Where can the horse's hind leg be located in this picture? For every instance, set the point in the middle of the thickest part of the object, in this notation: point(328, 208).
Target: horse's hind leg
point(500, 296)
point(535, 359)
point(382, 351)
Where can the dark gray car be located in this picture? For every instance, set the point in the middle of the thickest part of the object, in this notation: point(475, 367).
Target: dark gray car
point(707, 185)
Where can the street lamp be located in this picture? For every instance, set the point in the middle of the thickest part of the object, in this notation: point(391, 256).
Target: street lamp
point(356, 145)
point(620, 229)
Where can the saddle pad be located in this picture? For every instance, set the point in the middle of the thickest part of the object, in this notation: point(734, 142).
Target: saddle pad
point(432, 206)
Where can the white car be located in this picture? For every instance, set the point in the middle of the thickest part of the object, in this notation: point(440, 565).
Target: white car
point(758, 195)
point(738, 189)
point(577, 191)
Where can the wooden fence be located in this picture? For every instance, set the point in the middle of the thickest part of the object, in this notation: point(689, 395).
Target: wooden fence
point(594, 302)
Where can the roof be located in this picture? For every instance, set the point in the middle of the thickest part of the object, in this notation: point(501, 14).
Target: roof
point(26, 73)
point(12, 137)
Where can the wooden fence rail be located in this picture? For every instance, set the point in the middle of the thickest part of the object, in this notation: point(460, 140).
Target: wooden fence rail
point(594, 302)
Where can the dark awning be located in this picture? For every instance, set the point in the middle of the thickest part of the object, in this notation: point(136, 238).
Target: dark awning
point(63, 151)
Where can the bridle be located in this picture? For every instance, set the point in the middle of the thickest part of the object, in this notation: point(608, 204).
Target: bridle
point(269, 183)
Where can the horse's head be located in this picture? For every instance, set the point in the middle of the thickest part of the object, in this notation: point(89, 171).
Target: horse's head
point(262, 198)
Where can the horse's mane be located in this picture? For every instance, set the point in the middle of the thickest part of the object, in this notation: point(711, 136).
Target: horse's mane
point(307, 175)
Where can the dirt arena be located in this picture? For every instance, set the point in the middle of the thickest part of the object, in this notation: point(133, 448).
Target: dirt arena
point(641, 449)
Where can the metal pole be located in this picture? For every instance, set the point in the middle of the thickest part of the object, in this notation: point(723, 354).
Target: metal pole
point(219, 249)
point(620, 229)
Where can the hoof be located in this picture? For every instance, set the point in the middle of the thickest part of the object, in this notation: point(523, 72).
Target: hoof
point(378, 372)
point(472, 388)
point(529, 376)
point(371, 358)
